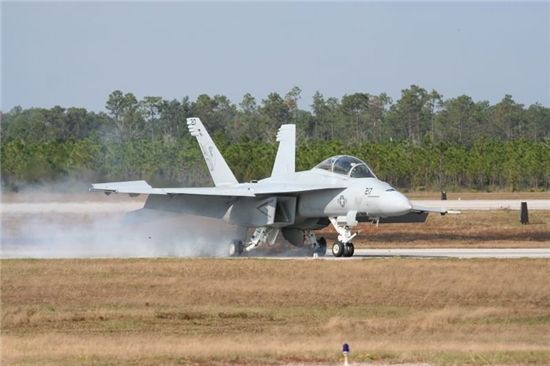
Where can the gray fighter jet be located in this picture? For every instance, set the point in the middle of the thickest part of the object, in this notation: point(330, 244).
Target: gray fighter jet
point(340, 191)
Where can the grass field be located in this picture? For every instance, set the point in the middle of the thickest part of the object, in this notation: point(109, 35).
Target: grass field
point(258, 311)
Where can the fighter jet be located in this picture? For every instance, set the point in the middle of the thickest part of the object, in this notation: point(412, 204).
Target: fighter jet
point(340, 191)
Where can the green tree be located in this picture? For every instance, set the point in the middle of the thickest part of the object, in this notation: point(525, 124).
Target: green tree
point(355, 108)
point(506, 118)
point(411, 111)
point(123, 108)
point(150, 107)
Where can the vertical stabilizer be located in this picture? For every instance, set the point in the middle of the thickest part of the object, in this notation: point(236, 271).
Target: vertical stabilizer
point(219, 170)
point(286, 154)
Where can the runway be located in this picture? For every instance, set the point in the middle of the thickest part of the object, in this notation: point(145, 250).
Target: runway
point(482, 205)
point(88, 207)
point(113, 207)
point(458, 253)
point(85, 230)
point(449, 253)
point(454, 253)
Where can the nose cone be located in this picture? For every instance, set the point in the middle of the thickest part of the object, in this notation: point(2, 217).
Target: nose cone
point(396, 204)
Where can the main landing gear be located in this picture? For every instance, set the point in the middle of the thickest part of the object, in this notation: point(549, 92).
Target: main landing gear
point(267, 235)
point(236, 248)
point(321, 249)
point(261, 235)
point(343, 246)
point(316, 246)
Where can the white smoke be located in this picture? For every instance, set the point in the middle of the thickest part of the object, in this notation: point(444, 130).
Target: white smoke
point(81, 229)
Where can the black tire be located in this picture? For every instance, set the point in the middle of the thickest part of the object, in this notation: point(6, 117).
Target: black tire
point(349, 249)
point(236, 248)
point(338, 249)
point(322, 248)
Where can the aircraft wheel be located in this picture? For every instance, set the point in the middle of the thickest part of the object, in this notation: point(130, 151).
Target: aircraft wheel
point(322, 249)
point(349, 249)
point(338, 249)
point(235, 248)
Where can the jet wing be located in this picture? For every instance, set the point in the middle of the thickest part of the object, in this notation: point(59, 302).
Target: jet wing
point(142, 187)
point(212, 191)
point(262, 189)
point(242, 190)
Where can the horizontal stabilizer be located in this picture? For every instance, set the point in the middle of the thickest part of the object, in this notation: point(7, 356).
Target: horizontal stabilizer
point(133, 187)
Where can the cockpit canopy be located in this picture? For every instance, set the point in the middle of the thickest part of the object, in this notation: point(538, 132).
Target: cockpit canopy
point(346, 165)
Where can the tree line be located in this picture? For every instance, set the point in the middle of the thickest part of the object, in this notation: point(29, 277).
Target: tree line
point(420, 141)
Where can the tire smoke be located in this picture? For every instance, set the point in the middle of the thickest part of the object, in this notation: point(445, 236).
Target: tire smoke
point(82, 230)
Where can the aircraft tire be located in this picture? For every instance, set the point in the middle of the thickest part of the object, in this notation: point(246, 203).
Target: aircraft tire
point(338, 249)
point(322, 249)
point(349, 249)
point(235, 248)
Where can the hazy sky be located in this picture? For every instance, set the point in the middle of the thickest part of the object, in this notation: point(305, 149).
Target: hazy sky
point(75, 54)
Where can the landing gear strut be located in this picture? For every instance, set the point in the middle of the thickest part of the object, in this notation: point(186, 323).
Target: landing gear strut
point(262, 235)
point(343, 246)
point(268, 235)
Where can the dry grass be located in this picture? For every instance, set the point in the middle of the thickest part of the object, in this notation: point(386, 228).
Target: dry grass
point(250, 311)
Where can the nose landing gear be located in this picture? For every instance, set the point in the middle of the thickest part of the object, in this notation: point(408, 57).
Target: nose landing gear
point(349, 249)
point(344, 246)
point(340, 249)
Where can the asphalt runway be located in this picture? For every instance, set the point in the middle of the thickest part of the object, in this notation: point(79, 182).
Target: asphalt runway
point(102, 207)
point(11, 247)
point(483, 205)
point(458, 253)
point(454, 253)
point(449, 253)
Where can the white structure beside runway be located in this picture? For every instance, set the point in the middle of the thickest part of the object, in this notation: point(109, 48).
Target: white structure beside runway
point(480, 205)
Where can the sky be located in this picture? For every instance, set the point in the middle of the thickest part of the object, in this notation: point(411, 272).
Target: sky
point(77, 53)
